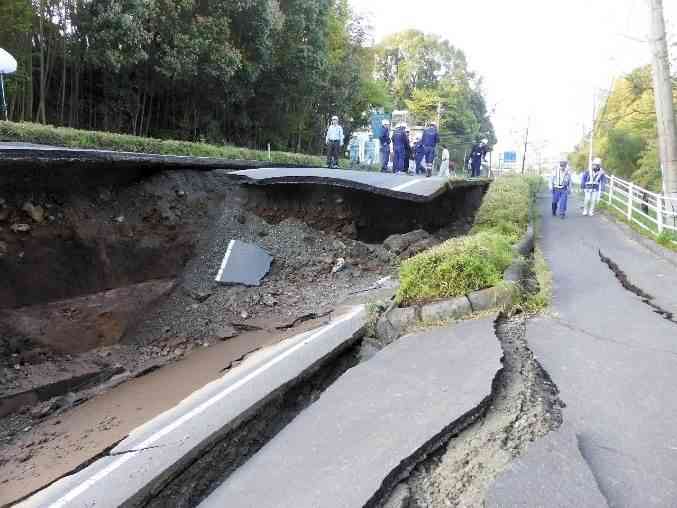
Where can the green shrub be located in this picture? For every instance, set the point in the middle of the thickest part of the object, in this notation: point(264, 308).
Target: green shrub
point(505, 208)
point(455, 268)
point(74, 138)
point(462, 265)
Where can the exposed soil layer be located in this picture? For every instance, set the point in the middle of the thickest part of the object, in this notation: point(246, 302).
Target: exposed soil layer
point(362, 215)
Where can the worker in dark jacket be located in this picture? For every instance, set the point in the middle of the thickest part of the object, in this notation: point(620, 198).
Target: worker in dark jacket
point(478, 154)
point(430, 140)
point(400, 148)
point(385, 146)
point(419, 155)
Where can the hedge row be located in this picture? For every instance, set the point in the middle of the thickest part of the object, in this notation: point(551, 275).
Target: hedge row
point(477, 261)
point(74, 138)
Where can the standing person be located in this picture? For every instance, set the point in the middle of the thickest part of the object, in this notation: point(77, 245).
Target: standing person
point(370, 151)
point(400, 148)
point(408, 152)
point(444, 164)
point(334, 142)
point(354, 150)
point(385, 146)
point(419, 154)
point(478, 154)
point(560, 182)
point(430, 140)
point(592, 185)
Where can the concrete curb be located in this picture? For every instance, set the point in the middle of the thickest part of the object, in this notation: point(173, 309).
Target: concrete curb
point(396, 320)
point(156, 452)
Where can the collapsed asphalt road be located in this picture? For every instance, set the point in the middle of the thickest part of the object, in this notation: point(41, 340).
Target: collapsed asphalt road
point(614, 359)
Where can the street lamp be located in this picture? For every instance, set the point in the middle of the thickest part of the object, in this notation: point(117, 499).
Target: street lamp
point(7, 66)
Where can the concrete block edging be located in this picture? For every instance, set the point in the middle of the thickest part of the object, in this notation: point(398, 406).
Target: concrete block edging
point(397, 319)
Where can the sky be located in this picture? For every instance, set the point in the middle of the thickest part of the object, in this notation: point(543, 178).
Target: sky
point(542, 61)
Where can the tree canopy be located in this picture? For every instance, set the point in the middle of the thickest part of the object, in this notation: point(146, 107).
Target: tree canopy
point(625, 131)
point(249, 72)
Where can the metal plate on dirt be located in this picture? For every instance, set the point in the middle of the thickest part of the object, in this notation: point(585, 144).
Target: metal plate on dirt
point(244, 263)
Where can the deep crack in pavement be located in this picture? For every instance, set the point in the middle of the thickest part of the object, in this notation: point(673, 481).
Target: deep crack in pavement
point(628, 285)
point(524, 407)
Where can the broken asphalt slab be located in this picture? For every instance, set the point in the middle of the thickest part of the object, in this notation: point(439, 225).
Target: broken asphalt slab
point(243, 263)
point(140, 466)
point(374, 423)
point(411, 188)
point(552, 473)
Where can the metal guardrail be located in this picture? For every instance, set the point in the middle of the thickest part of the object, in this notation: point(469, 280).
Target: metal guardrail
point(653, 212)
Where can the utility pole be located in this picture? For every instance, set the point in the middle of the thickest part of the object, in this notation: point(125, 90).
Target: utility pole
point(526, 142)
point(665, 109)
point(592, 131)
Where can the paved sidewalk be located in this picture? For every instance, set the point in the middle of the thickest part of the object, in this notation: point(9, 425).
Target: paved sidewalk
point(615, 362)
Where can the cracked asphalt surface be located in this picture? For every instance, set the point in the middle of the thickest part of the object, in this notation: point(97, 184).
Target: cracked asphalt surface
point(614, 360)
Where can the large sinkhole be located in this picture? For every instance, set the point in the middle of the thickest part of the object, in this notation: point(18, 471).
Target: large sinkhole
point(103, 246)
point(363, 215)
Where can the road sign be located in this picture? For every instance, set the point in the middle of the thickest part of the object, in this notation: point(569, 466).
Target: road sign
point(509, 157)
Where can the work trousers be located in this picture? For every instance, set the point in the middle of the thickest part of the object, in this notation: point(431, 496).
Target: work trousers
point(590, 201)
point(560, 197)
point(400, 160)
point(333, 151)
point(385, 157)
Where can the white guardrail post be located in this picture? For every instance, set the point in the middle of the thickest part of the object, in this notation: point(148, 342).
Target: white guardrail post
point(611, 189)
point(659, 212)
point(631, 196)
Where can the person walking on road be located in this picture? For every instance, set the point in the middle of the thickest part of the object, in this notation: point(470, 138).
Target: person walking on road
point(430, 140)
point(478, 154)
point(444, 164)
point(334, 142)
point(592, 184)
point(385, 146)
point(560, 183)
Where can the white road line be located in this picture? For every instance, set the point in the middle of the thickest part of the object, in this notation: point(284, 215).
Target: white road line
point(225, 260)
point(407, 184)
point(87, 484)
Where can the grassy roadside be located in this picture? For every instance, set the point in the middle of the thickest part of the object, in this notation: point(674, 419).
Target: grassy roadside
point(478, 260)
point(665, 239)
point(74, 138)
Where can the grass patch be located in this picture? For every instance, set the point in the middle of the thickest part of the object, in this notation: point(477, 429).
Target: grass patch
point(75, 138)
point(454, 268)
point(477, 261)
point(666, 239)
point(536, 302)
point(505, 208)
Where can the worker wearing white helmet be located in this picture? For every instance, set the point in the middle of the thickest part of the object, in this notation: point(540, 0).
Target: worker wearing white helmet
point(591, 183)
point(334, 140)
point(560, 184)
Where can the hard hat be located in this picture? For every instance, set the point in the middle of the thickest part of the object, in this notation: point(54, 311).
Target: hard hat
point(386, 122)
point(334, 117)
point(485, 141)
point(597, 162)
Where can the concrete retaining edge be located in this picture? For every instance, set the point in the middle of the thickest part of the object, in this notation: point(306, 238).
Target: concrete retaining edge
point(395, 321)
point(152, 454)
